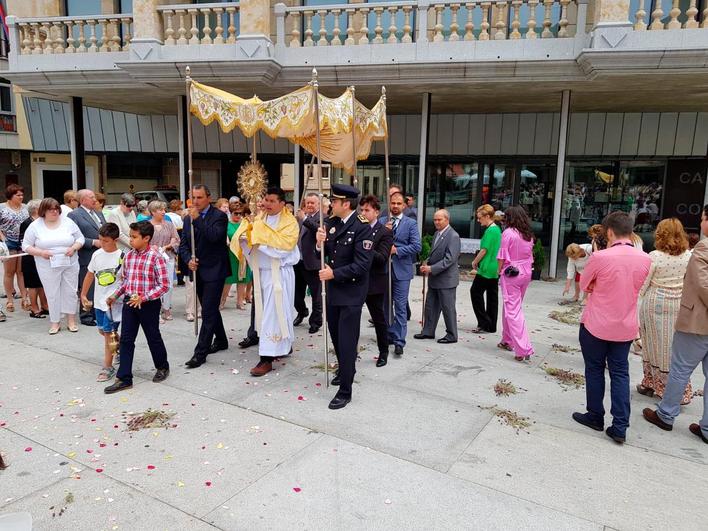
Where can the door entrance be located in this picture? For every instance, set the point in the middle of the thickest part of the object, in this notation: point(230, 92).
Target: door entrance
point(55, 183)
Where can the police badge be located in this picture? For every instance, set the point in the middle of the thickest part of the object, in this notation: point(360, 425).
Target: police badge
point(368, 244)
point(332, 230)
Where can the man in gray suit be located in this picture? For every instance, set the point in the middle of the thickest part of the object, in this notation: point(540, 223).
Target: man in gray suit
point(89, 221)
point(443, 278)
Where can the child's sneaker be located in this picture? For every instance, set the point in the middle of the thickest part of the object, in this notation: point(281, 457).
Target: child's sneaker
point(106, 374)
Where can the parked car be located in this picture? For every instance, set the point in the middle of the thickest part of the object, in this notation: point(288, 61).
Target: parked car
point(161, 195)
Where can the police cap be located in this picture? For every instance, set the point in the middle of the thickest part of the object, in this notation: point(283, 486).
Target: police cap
point(344, 191)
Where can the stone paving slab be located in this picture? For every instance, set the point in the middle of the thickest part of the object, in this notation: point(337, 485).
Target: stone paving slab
point(101, 503)
point(403, 422)
point(588, 475)
point(346, 486)
point(215, 449)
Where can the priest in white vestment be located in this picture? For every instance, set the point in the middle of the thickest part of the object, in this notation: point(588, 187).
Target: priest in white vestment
point(269, 245)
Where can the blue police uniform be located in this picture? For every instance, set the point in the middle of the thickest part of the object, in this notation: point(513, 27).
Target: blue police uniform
point(349, 251)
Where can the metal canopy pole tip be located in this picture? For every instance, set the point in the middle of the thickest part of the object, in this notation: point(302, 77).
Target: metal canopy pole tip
point(188, 117)
point(315, 91)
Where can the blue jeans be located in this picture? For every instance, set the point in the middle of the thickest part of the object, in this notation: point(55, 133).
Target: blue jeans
point(147, 317)
point(598, 354)
point(398, 329)
point(687, 352)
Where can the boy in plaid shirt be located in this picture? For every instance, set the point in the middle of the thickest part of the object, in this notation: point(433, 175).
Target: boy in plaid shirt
point(144, 282)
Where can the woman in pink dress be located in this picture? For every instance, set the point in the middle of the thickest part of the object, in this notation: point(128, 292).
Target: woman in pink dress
point(515, 262)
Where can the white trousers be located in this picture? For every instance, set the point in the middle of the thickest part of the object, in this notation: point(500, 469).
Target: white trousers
point(167, 297)
point(61, 286)
point(189, 297)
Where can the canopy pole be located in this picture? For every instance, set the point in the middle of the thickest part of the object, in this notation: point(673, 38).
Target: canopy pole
point(307, 180)
point(388, 203)
point(355, 180)
point(315, 91)
point(188, 117)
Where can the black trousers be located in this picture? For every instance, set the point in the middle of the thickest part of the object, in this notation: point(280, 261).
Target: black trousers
point(300, 289)
point(252, 333)
point(344, 323)
point(377, 310)
point(486, 315)
point(90, 314)
point(212, 329)
point(146, 317)
point(312, 278)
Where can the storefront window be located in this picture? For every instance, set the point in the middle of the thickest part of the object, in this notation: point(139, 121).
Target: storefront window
point(594, 189)
point(455, 187)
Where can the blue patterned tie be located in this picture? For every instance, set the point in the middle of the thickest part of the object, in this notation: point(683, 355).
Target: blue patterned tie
point(395, 225)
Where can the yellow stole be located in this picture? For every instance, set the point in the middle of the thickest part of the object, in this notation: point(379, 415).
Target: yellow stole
point(284, 237)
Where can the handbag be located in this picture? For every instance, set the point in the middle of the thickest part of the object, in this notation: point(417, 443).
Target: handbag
point(511, 271)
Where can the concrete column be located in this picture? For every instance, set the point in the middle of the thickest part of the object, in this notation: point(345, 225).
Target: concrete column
point(147, 21)
point(182, 143)
point(611, 12)
point(35, 8)
point(78, 151)
point(558, 190)
point(255, 19)
point(423, 160)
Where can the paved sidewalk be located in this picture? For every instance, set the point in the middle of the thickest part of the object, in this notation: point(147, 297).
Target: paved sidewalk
point(419, 447)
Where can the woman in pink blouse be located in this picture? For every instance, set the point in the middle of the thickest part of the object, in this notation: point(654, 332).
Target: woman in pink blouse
point(515, 260)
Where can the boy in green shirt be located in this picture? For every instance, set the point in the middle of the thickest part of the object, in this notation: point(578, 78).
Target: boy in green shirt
point(486, 278)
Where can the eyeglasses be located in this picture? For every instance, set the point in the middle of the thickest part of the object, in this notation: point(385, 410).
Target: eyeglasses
point(54, 209)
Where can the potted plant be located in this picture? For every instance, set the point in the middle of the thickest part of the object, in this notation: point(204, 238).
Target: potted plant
point(426, 246)
point(539, 260)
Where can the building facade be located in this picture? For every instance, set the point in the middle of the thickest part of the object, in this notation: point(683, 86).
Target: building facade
point(569, 108)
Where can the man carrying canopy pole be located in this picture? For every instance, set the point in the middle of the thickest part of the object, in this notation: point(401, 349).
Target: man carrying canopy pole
point(270, 246)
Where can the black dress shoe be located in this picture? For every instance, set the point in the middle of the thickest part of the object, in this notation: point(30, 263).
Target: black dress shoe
point(423, 336)
point(313, 330)
point(216, 347)
point(584, 419)
point(398, 350)
point(613, 434)
point(195, 362)
point(116, 386)
point(247, 342)
point(336, 380)
point(446, 341)
point(299, 319)
point(338, 402)
point(161, 375)
point(383, 360)
point(88, 322)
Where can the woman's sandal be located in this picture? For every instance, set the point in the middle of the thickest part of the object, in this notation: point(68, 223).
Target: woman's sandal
point(522, 358)
point(646, 391)
point(504, 346)
point(10, 306)
point(26, 304)
point(38, 315)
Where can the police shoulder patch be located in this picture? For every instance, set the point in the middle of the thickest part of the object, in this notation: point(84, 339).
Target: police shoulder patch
point(368, 244)
point(362, 219)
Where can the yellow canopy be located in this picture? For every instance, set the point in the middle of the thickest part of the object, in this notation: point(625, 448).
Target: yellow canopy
point(293, 117)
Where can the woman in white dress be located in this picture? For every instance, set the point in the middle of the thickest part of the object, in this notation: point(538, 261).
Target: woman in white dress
point(54, 241)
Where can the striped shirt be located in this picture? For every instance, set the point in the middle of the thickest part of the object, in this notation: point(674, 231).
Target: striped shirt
point(144, 274)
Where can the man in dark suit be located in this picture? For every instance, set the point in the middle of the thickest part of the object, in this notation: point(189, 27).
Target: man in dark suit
point(311, 258)
point(88, 221)
point(378, 276)
point(443, 278)
point(210, 267)
point(347, 243)
point(406, 246)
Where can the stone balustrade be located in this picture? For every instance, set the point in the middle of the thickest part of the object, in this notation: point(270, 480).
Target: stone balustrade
point(199, 23)
point(676, 18)
point(405, 22)
point(89, 34)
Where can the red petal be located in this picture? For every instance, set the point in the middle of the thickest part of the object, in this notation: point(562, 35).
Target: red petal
point(297, 489)
point(28, 449)
point(151, 467)
point(207, 483)
point(99, 470)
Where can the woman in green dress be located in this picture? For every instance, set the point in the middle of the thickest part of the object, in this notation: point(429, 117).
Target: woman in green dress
point(236, 213)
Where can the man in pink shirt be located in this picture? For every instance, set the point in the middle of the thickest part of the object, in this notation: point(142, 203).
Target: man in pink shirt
point(609, 324)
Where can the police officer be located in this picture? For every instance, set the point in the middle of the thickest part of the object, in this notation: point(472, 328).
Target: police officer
point(347, 244)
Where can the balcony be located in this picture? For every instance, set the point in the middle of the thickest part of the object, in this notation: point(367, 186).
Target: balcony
point(421, 45)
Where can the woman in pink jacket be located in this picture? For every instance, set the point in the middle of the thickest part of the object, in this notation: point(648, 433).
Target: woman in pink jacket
point(515, 263)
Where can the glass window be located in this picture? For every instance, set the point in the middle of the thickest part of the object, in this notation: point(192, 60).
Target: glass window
point(594, 189)
point(453, 186)
point(126, 6)
point(84, 7)
point(5, 98)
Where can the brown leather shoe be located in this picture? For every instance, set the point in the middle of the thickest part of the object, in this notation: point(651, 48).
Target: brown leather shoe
point(263, 368)
point(651, 416)
point(695, 429)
